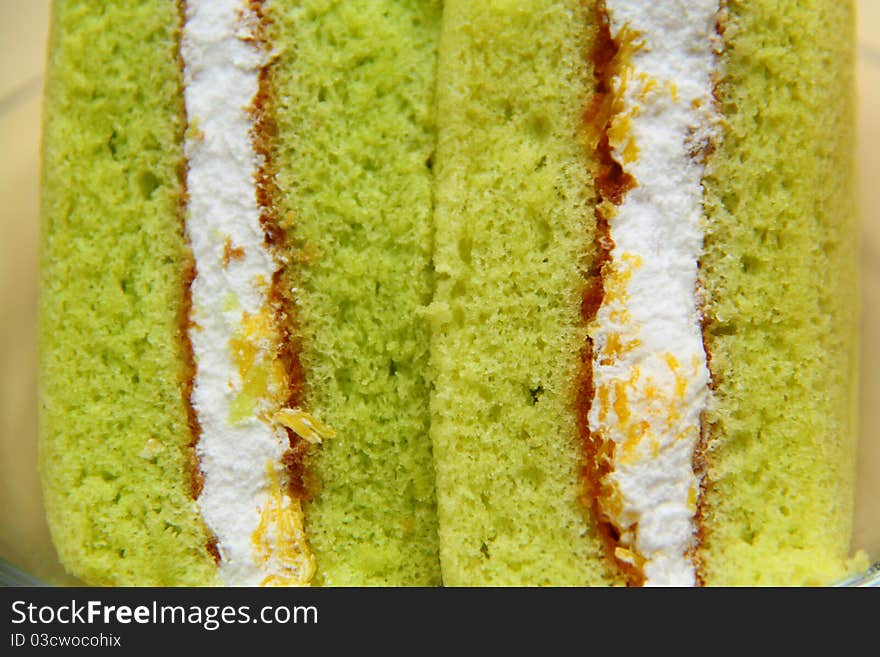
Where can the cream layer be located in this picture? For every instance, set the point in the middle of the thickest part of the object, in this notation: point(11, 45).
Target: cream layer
point(234, 337)
point(650, 373)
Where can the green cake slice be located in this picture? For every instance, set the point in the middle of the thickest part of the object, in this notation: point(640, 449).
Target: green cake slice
point(237, 242)
point(643, 333)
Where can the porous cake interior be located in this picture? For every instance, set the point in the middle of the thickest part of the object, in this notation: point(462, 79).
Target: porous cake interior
point(514, 238)
point(115, 455)
point(353, 93)
point(780, 272)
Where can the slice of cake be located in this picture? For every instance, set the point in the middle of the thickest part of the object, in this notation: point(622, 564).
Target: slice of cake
point(645, 317)
point(237, 221)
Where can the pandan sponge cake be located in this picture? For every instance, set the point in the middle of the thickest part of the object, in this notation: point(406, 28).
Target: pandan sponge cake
point(237, 243)
point(585, 268)
point(644, 329)
point(780, 274)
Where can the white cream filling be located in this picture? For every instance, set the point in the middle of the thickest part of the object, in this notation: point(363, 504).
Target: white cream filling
point(221, 65)
point(650, 371)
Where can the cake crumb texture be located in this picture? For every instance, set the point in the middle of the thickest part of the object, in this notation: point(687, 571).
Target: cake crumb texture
point(115, 456)
point(515, 229)
point(353, 93)
point(780, 273)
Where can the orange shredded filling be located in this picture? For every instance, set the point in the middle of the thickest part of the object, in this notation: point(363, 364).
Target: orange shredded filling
point(279, 540)
point(280, 543)
point(262, 374)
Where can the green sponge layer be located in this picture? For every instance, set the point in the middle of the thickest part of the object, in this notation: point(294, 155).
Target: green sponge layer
point(514, 235)
point(113, 419)
point(780, 272)
point(354, 93)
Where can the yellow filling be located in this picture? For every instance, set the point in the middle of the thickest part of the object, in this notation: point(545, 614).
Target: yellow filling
point(279, 543)
point(304, 425)
point(263, 377)
point(280, 539)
